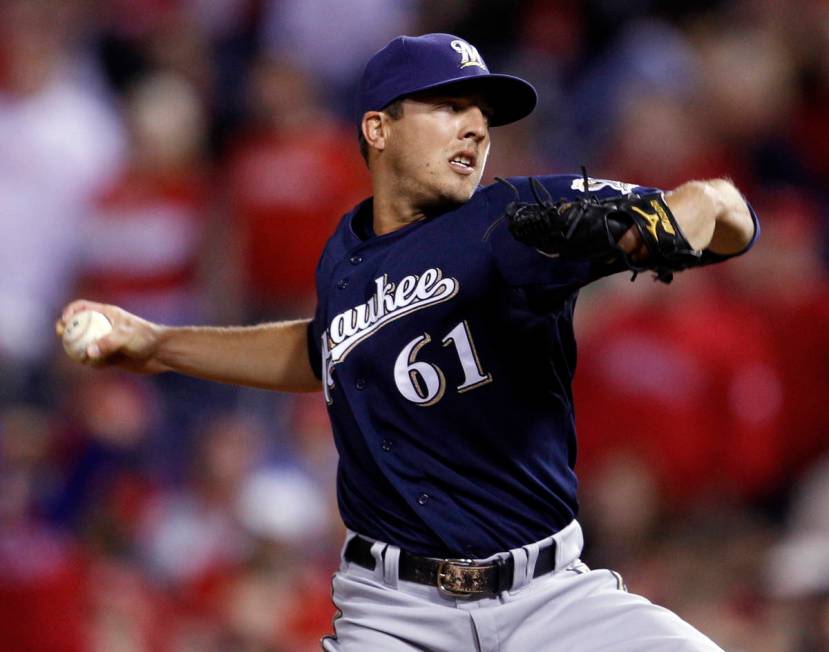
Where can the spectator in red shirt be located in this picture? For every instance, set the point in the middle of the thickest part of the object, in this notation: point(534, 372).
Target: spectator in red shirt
point(144, 240)
point(706, 397)
point(290, 179)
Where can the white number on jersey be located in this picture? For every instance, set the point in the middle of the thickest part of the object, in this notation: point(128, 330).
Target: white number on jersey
point(419, 382)
point(424, 383)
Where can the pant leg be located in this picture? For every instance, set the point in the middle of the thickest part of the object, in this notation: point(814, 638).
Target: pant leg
point(579, 610)
point(378, 618)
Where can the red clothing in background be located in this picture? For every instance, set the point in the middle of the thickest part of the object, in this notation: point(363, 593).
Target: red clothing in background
point(143, 245)
point(693, 387)
point(288, 191)
point(42, 591)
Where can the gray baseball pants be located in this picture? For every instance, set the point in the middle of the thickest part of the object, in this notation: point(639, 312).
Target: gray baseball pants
point(571, 609)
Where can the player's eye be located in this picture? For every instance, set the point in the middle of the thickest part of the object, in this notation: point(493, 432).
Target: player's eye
point(449, 105)
point(459, 106)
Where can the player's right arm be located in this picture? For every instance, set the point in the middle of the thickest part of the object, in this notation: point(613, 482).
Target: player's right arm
point(269, 356)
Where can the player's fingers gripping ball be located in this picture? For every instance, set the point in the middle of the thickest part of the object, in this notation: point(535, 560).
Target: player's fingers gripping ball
point(83, 329)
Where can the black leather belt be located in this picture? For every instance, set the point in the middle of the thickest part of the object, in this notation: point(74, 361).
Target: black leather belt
point(455, 577)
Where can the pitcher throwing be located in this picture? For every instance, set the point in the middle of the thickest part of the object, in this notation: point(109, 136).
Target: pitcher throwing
point(443, 344)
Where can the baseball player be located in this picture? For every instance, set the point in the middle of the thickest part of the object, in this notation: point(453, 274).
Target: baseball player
point(443, 345)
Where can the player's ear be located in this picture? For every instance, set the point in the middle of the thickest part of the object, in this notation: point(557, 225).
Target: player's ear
point(374, 129)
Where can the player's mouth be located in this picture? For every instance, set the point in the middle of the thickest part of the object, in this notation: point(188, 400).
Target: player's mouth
point(463, 162)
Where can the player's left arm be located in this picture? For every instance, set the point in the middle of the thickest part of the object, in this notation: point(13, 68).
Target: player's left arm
point(713, 215)
point(616, 226)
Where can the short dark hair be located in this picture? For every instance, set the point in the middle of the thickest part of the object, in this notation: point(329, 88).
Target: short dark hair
point(394, 110)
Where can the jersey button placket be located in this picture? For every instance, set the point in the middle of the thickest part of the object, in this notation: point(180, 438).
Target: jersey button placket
point(386, 445)
point(355, 259)
point(360, 383)
point(342, 284)
point(423, 498)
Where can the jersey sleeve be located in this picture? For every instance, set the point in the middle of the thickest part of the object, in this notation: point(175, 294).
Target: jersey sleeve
point(522, 265)
point(606, 188)
point(315, 345)
point(316, 327)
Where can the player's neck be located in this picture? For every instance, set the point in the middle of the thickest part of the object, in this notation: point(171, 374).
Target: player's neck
point(393, 210)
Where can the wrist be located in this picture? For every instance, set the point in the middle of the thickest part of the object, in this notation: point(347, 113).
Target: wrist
point(163, 355)
point(696, 206)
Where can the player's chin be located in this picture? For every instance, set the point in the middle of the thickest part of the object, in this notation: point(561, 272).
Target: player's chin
point(453, 198)
point(462, 189)
point(452, 192)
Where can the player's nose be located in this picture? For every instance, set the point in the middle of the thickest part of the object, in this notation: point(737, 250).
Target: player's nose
point(474, 124)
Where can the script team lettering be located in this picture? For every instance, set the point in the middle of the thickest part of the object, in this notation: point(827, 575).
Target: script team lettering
point(389, 302)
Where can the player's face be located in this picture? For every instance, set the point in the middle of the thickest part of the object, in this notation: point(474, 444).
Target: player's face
point(439, 148)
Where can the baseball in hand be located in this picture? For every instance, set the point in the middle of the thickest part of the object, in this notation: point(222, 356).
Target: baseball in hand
point(82, 329)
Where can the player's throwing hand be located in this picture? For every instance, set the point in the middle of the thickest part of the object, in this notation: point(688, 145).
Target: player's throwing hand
point(132, 343)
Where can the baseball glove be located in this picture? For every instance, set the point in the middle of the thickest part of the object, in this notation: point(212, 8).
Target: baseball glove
point(590, 228)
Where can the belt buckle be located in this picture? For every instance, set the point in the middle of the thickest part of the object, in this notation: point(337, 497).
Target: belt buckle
point(461, 578)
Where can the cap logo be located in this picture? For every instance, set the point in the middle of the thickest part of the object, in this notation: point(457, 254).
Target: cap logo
point(469, 54)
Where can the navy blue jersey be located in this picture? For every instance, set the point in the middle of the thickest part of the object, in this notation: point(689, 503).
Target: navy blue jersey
point(446, 353)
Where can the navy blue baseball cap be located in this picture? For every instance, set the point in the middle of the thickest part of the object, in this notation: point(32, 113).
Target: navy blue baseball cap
point(410, 64)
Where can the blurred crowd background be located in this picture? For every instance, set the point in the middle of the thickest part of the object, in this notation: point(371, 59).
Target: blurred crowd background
point(187, 159)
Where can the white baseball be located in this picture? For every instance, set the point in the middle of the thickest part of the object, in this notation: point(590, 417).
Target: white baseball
point(82, 329)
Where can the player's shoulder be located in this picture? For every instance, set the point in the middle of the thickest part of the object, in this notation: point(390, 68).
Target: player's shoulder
point(344, 237)
point(560, 186)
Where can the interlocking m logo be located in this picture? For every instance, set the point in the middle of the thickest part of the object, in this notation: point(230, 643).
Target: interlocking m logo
point(469, 54)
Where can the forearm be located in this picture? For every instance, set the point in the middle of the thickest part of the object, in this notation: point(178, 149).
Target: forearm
point(269, 356)
point(713, 215)
point(734, 226)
